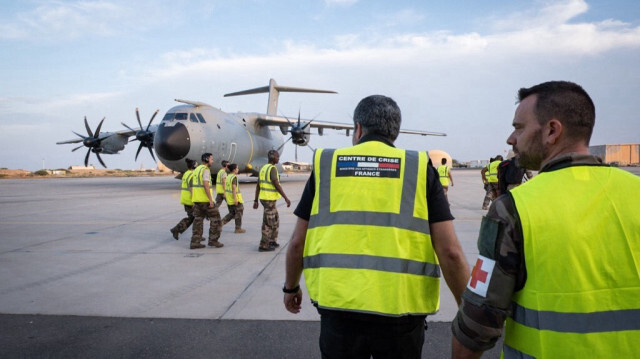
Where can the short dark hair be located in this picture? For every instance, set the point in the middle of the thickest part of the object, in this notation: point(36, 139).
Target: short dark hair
point(205, 157)
point(567, 102)
point(443, 160)
point(379, 115)
point(232, 167)
point(191, 164)
point(272, 154)
point(224, 163)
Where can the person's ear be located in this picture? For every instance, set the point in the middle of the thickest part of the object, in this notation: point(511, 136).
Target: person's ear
point(553, 130)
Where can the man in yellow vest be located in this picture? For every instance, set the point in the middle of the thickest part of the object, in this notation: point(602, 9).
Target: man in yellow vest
point(444, 172)
point(268, 191)
point(221, 180)
point(374, 231)
point(490, 179)
point(234, 199)
point(203, 205)
point(559, 255)
point(185, 199)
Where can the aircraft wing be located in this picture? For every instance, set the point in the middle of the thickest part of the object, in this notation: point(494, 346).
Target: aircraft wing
point(283, 122)
point(103, 135)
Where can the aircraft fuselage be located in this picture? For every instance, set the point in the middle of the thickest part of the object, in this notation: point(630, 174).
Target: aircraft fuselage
point(188, 131)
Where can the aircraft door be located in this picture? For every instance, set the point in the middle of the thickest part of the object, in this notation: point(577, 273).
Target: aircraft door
point(232, 153)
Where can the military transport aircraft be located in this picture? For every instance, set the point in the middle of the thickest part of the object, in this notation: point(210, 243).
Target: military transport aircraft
point(188, 130)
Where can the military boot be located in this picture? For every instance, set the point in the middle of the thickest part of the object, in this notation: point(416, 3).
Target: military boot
point(239, 230)
point(214, 244)
point(175, 233)
point(196, 245)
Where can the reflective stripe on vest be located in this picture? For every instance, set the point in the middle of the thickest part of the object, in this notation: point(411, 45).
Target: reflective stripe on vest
point(219, 186)
point(493, 171)
point(370, 250)
point(185, 193)
point(443, 172)
point(267, 190)
point(228, 192)
point(199, 194)
point(585, 302)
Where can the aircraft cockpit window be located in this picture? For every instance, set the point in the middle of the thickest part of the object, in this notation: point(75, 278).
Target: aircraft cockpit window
point(201, 118)
point(192, 117)
point(181, 116)
point(168, 117)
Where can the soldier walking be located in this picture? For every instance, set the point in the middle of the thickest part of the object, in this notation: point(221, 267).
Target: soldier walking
point(203, 205)
point(268, 191)
point(185, 199)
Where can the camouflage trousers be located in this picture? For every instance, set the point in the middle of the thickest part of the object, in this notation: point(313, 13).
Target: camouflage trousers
point(186, 221)
point(492, 193)
point(200, 211)
point(235, 212)
point(219, 199)
point(270, 223)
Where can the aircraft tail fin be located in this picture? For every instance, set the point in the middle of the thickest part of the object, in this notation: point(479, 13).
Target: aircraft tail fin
point(274, 92)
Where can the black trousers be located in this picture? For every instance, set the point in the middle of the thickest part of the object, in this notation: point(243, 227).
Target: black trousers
point(344, 337)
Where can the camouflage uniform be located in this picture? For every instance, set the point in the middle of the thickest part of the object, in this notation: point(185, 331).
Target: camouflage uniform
point(219, 199)
point(235, 212)
point(201, 210)
point(270, 224)
point(492, 193)
point(186, 221)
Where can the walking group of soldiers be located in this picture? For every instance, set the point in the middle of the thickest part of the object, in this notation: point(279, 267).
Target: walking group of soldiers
point(198, 200)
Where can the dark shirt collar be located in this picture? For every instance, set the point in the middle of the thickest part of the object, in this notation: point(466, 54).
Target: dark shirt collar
point(571, 159)
point(375, 137)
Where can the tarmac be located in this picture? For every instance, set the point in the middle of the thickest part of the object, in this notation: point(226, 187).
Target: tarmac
point(90, 270)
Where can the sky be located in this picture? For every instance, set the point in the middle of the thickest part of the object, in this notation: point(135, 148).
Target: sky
point(452, 66)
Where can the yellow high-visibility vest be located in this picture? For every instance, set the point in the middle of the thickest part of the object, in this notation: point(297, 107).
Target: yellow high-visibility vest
point(228, 192)
point(267, 190)
point(443, 172)
point(492, 174)
point(581, 245)
point(368, 245)
point(185, 193)
point(219, 187)
point(199, 194)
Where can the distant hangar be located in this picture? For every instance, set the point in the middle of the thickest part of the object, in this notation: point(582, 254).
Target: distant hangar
point(621, 155)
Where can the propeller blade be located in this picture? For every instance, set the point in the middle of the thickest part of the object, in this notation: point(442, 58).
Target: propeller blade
point(77, 148)
point(100, 159)
point(307, 124)
point(98, 129)
point(125, 125)
point(138, 152)
point(86, 125)
point(282, 145)
point(151, 120)
point(79, 135)
point(138, 116)
point(152, 156)
point(86, 158)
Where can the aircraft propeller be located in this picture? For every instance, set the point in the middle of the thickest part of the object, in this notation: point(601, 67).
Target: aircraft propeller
point(143, 135)
point(93, 142)
point(298, 134)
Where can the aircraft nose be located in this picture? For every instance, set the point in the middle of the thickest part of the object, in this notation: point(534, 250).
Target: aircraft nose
point(172, 142)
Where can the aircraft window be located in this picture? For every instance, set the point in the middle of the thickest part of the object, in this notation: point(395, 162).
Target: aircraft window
point(168, 117)
point(181, 116)
point(192, 117)
point(201, 118)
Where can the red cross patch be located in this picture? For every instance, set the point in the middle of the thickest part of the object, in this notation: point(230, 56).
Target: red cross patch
point(481, 276)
